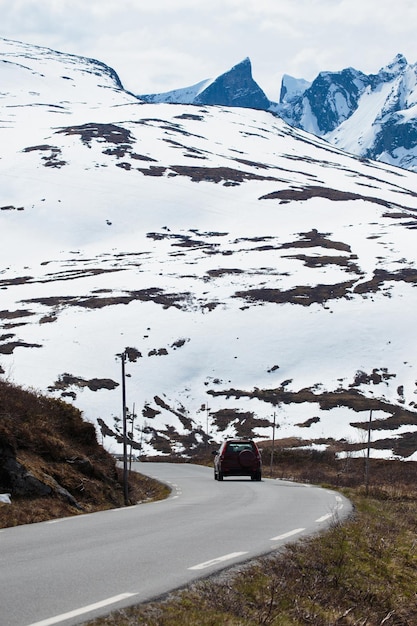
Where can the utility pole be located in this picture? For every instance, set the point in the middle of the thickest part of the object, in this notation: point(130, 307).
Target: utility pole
point(368, 452)
point(273, 445)
point(207, 424)
point(131, 438)
point(125, 473)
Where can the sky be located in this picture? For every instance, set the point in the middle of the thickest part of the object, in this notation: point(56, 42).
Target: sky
point(159, 45)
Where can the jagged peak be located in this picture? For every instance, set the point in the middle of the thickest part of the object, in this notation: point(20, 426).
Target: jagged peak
point(292, 87)
point(245, 62)
point(236, 87)
point(244, 67)
point(397, 65)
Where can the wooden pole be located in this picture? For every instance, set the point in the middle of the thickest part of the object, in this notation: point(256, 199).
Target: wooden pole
point(368, 452)
point(125, 472)
point(273, 446)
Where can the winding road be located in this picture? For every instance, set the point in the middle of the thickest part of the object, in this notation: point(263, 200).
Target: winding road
point(70, 570)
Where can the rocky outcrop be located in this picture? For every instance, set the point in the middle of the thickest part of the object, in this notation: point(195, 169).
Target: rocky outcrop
point(21, 482)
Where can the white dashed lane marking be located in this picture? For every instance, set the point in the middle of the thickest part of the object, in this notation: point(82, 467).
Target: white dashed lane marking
point(220, 559)
point(290, 533)
point(81, 611)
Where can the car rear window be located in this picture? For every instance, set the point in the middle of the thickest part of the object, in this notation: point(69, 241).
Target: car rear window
point(238, 447)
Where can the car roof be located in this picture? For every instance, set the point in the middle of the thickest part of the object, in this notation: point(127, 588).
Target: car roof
point(236, 440)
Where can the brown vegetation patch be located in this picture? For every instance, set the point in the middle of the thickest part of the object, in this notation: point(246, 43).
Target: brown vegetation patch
point(94, 384)
point(141, 157)
point(153, 294)
point(179, 343)
point(258, 239)
point(132, 354)
point(380, 277)
point(411, 222)
point(51, 159)
point(47, 319)
point(254, 164)
point(184, 240)
point(323, 261)
point(186, 421)
point(6, 336)
point(11, 315)
point(218, 273)
point(303, 295)
point(58, 277)
point(313, 239)
point(158, 352)
point(216, 174)
point(15, 281)
point(10, 207)
point(153, 170)
point(316, 191)
point(244, 422)
point(9, 348)
point(309, 422)
point(378, 375)
point(122, 150)
point(109, 133)
point(190, 116)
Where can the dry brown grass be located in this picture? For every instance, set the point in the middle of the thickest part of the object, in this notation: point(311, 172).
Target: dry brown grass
point(48, 440)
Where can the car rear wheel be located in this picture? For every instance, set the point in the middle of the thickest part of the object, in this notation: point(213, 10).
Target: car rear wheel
point(220, 476)
point(247, 458)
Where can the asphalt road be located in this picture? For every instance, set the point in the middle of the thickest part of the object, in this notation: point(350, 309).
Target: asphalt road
point(70, 570)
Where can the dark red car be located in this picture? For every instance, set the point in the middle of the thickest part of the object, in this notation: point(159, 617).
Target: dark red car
point(238, 457)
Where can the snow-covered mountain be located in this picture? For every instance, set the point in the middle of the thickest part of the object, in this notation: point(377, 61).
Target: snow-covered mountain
point(246, 268)
point(234, 88)
point(372, 116)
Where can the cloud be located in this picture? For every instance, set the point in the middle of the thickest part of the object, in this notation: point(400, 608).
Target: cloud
point(166, 44)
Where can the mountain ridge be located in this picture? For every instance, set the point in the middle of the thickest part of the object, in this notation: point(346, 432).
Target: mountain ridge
point(380, 106)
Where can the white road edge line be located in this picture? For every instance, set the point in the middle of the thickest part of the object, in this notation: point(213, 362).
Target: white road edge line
point(324, 518)
point(288, 534)
point(219, 559)
point(85, 609)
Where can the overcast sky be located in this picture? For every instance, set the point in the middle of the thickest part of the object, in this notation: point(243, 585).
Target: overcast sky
point(158, 45)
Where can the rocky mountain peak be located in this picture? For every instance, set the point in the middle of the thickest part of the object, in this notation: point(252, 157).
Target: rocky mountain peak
point(292, 88)
point(235, 88)
point(397, 65)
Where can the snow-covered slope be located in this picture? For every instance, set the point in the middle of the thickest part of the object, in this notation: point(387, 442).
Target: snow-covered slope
point(245, 268)
point(31, 75)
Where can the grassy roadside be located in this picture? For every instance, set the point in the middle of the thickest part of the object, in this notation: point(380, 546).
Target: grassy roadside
point(41, 509)
point(52, 464)
point(362, 572)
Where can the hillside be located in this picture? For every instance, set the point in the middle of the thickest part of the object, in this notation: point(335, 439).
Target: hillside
point(52, 464)
point(245, 268)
